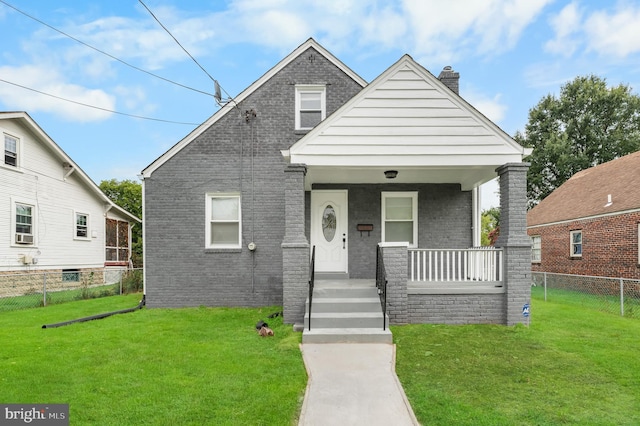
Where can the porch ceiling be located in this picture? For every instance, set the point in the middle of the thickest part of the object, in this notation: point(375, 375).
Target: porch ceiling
point(468, 177)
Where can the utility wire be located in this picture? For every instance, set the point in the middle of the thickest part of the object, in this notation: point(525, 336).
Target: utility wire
point(187, 52)
point(176, 40)
point(107, 54)
point(96, 107)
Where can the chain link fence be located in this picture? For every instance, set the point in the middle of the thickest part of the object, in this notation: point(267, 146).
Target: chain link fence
point(614, 295)
point(35, 289)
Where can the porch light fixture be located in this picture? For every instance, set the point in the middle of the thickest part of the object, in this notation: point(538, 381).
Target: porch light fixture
point(391, 174)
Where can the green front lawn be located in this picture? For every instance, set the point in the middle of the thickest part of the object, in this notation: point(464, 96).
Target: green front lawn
point(154, 366)
point(570, 366)
point(199, 366)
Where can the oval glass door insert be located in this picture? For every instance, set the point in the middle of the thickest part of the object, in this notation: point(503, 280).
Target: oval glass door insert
point(329, 223)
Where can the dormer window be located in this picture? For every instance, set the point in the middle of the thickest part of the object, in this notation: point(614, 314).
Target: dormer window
point(10, 151)
point(310, 106)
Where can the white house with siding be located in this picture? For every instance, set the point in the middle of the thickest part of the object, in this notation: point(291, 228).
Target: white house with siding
point(53, 217)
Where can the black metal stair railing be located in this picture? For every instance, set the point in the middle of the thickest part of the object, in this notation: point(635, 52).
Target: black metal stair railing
point(312, 266)
point(381, 284)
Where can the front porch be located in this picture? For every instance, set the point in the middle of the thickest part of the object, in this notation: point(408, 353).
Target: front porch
point(424, 285)
point(403, 162)
point(441, 286)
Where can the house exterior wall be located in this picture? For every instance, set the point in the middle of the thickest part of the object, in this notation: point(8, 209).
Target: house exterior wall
point(39, 181)
point(444, 220)
point(456, 309)
point(232, 156)
point(609, 247)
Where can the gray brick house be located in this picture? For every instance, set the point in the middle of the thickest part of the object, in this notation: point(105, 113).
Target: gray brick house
point(311, 155)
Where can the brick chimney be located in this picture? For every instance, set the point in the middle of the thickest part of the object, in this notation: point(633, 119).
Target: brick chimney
point(450, 78)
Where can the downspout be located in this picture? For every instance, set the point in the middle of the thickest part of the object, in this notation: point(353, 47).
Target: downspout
point(144, 242)
point(253, 208)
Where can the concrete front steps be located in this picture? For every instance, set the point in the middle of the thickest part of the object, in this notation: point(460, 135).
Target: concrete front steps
point(345, 311)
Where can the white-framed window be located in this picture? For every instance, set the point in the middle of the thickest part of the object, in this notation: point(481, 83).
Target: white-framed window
point(81, 226)
point(223, 221)
point(536, 249)
point(638, 243)
point(310, 106)
point(23, 223)
point(11, 148)
point(400, 217)
point(576, 243)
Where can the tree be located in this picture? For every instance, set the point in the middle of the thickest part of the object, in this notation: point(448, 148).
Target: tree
point(588, 124)
point(128, 195)
point(490, 222)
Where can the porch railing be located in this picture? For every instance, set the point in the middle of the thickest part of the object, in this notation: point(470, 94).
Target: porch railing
point(474, 264)
point(312, 274)
point(381, 284)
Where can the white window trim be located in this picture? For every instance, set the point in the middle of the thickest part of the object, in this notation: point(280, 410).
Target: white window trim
point(638, 241)
point(75, 226)
point(310, 89)
point(571, 234)
point(34, 222)
point(394, 194)
point(18, 151)
point(207, 224)
point(534, 248)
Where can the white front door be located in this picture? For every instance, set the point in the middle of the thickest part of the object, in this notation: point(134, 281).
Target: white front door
point(329, 229)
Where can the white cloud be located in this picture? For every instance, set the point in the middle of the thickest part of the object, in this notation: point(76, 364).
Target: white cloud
point(438, 31)
point(445, 31)
point(434, 30)
point(129, 39)
point(134, 98)
point(547, 74)
point(393, 22)
point(608, 33)
point(565, 26)
point(492, 107)
point(49, 81)
point(616, 34)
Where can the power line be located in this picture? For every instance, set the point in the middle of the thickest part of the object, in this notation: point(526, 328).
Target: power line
point(187, 52)
point(176, 40)
point(97, 107)
point(105, 53)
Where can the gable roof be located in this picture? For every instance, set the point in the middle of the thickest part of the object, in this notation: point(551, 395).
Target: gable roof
point(147, 171)
point(25, 120)
point(407, 117)
point(586, 194)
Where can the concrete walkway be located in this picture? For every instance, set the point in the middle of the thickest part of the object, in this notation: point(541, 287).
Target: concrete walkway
point(353, 384)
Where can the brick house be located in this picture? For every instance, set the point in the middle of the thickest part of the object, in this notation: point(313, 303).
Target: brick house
point(590, 225)
point(310, 155)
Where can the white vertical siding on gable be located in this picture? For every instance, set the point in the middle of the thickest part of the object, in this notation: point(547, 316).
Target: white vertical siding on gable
point(41, 179)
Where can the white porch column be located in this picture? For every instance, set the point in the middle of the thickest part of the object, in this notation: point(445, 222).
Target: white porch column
point(477, 216)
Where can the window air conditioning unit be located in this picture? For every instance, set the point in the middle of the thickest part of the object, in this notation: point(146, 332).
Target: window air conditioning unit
point(24, 239)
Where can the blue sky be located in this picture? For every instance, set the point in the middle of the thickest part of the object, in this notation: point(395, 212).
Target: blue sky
point(509, 53)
